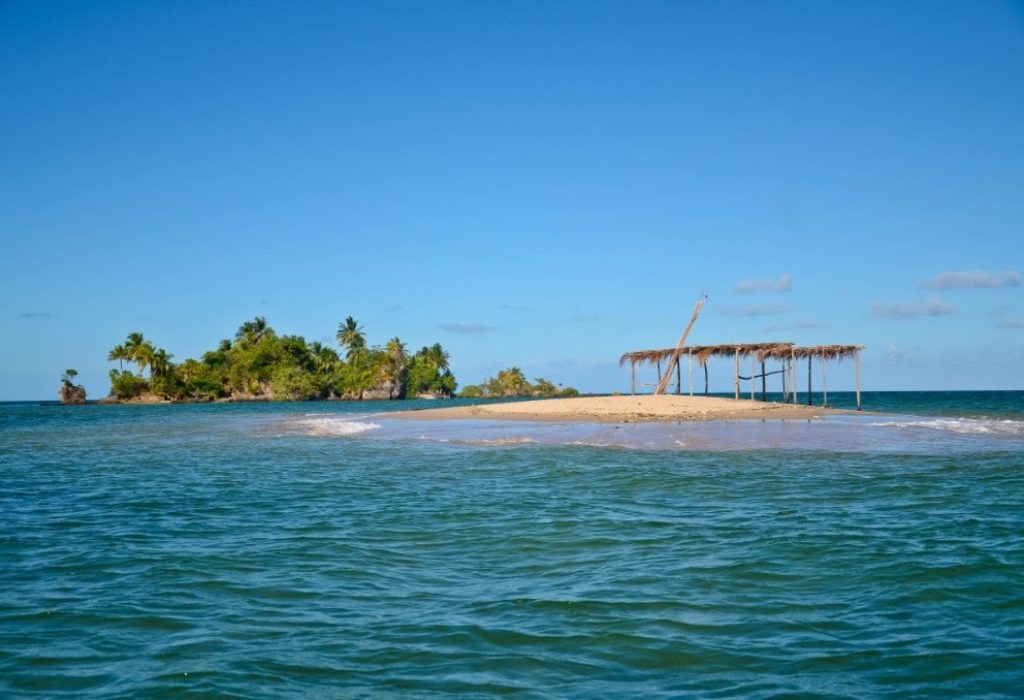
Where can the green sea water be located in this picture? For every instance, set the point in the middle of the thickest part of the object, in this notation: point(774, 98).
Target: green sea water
point(325, 550)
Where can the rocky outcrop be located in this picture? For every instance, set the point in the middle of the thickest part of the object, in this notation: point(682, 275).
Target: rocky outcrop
point(383, 392)
point(71, 394)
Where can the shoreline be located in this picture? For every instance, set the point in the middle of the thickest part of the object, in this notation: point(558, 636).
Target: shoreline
point(626, 409)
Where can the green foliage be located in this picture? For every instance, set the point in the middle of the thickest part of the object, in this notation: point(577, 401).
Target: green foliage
point(126, 385)
point(68, 378)
point(512, 382)
point(471, 392)
point(260, 363)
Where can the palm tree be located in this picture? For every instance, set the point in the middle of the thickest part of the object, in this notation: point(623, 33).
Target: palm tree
point(439, 356)
point(350, 336)
point(159, 363)
point(142, 355)
point(252, 332)
point(137, 349)
point(118, 353)
point(68, 378)
point(397, 361)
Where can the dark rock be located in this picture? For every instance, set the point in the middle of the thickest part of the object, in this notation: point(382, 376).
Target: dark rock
point(71, 394)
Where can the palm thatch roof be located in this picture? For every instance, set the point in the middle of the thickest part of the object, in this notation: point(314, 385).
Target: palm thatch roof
point(761, 351)
point(703, 352)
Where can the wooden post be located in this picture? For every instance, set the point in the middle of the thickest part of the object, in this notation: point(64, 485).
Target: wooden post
point(633, 366)
point(824, 382)
point(783, 372)
point(689, 367)
point(663, 384)
point(737, 374)
point(810, 396)
point(793, 368)
point(764, 384)
point(679, 380)
point(705, 363)
point(856, 359)
point(753, 371)
point(659, 370)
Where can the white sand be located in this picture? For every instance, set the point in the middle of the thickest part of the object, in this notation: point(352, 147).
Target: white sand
point(625, 409)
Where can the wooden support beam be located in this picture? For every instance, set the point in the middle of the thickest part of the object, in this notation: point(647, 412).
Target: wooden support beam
point(633, 373)
point(705, 363)
point(810, 396)
point(856, 359)
point(663, 384)
point(737, 378)
point(824, 382)
point(689, 362)
point(764, 383)
point(679, 379)
point(793, 368)
point(753, 371)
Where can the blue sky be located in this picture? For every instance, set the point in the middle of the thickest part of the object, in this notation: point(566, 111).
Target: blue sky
point(546, 184)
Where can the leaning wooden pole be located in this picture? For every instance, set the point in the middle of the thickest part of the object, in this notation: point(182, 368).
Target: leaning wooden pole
point(856, 359)
point(663, 383)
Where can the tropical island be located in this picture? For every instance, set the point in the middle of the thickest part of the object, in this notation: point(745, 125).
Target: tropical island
point(258, 364)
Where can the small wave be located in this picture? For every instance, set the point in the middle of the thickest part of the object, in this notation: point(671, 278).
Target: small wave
point(333, 427)
point(490, 442)
point(973, 426)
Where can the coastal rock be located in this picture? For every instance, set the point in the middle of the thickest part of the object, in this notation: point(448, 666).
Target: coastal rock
point(383, 392)
point(71, 394)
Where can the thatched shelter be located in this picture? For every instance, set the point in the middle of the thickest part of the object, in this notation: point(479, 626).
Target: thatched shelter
point(787, 353)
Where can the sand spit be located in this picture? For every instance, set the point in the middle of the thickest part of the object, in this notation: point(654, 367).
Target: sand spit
point(626, 409)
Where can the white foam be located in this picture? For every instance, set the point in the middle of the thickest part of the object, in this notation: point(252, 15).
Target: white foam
point(333, 427)
point(966, 426)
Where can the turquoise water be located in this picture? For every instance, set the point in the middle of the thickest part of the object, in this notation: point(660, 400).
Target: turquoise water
point(261, 550)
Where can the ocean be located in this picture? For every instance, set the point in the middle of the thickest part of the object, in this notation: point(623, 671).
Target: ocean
point(327, 550)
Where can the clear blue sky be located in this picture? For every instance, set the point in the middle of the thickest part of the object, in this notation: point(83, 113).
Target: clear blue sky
point(546, 184)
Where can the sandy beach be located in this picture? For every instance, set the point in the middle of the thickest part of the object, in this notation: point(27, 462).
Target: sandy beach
point(625, 409)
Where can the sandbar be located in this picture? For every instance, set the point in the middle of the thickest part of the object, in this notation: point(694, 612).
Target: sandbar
point(625, 409)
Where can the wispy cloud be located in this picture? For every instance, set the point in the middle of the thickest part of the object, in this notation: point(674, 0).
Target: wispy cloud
point(972, 279)
point(795, 326)
point(929, 307)
point(754, 310)
point(585, 318)
point(1015, 323)
point(392, 309)
point(36, 315)
point(782, 284)
point(465, 328)
point(515, 308)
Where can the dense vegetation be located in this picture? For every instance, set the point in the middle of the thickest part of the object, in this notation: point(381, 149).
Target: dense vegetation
point(260, 364)
point(512, 382)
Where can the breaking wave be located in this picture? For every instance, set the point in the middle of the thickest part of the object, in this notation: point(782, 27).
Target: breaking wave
point(964, 426)
point(332, 427)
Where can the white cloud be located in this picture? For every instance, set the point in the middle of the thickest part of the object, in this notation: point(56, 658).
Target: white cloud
point(972, 279)
point(930, 307)
point(782, 284)
point(1016, 323)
